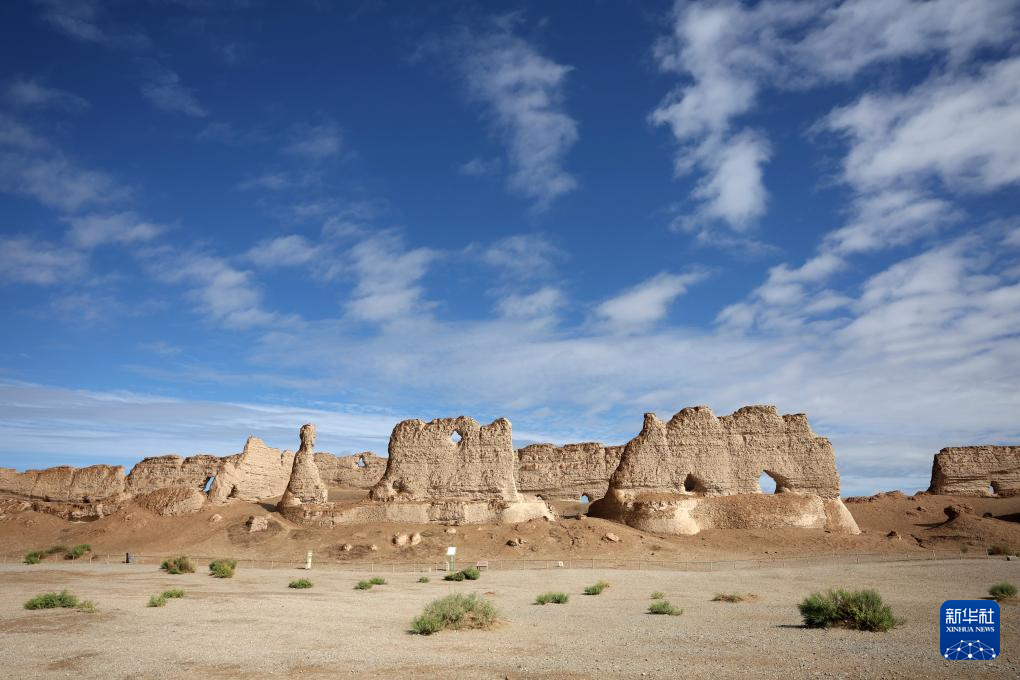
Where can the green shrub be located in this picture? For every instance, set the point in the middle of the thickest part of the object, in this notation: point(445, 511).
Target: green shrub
point(77, 551)
point(55, 549)
point(173, 594)
point(729, 597)
point(471, 573)
point(596, 589)
point(178, 565)
point(87, 607)
point(64, 598)
point(423, 579)
point(658, 595)
point(1000, 549)
point(377, 581)
point(455, 576)
point(554, 598)
point(456, 612)
point(223, 568)
point(1002, 591)
point(157, 601)
point(858, 609)
point(363, 585)
point(664, 607)
point(300, 584)
point(34, 557)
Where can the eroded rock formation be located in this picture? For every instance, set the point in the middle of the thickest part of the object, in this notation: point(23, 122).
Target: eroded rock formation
point(64, 484)
point(359, 471)
point(161, 472)
point(304, 486)
point(976, 471)
point(258, 474)
point(698, 471)
point(567, 472)
point(172, 501)
point(450, 470)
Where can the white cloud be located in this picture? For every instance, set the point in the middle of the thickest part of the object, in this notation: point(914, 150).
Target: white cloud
point(283, 251)
point(220, 291)
point(952, 127)
point(480, 167)
point(542, 304)
point(523, 92)
point(647, 302)
point(83, 20)
point(315, 142)
point(90, 231)
point(26, 260)
point(30, 94)
point(728, 52)
point(523, 256)
point(388, 279)
point(165, 91)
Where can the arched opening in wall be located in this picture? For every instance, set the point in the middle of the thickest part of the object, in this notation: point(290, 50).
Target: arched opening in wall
point(693, 484)
point(361, 462)
point(208, 484)
point(993, 489)
point(584, 499)
point(767, 483)
point(455, 437)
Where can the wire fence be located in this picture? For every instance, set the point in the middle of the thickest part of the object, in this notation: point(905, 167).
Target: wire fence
point(502, 564)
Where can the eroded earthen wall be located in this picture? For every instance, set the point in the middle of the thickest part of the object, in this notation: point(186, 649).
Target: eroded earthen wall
point(567, 472)
point(64, 484)
point(161, 472)
point(976, 471)
point(345, 471)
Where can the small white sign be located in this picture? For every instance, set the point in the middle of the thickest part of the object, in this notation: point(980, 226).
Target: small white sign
point(451, 551)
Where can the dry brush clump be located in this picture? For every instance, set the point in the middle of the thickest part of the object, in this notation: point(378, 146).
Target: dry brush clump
point(664, 607)
point(161, 599)
point(300, 584)
point(552, 598)
point(456, 612)
point(223, 568)
point(178, 565)
point(1002, 591)
point(597, 588)
point(65, 599)
point(856, 609)
point(734, 597)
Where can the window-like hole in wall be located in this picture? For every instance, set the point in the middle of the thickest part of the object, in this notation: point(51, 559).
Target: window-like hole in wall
point(766, 484)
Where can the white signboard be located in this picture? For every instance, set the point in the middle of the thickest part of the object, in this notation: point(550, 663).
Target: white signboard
point(451, 551)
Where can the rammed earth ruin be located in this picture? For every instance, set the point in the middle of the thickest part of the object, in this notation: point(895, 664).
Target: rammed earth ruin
point(695, 471)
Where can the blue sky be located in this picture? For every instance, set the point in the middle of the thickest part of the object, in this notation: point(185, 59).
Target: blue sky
point(228, 218)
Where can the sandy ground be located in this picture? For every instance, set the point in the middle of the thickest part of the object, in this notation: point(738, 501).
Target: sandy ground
point(253, 626)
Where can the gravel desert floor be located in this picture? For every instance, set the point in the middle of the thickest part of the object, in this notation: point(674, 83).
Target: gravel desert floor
point(254, 626)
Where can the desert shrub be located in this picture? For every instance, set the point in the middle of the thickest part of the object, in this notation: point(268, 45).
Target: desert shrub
point(55, 549)
point(178, 565)
point(377, 581)
point(363, 585)
point(223, 568)
point(597, 588)
point(64, 598)
point(658, 595)
point(455, 576)
point(471, 573)
point(300, 584)
point(77, 551)
point(173, 594)
point(423, 579)
point(729, 597)
point(858, 609)
point(87, 607)
point(1000, 549)
point(34, 557)
point(664, 607)
point(157, 601)
point(554, 598)
point(1002, 591)
point(456, 612)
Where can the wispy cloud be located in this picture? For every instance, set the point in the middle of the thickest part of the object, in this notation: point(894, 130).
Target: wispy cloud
point(523, 257)
point(84, 20)
point(647, 302)
point(389, 277)
point(283, 251)
point(28, 93)
point(28, 260)
point(315, 141)
point(480, 167)
point(166, 92)
point(524, 93)
point(89, 231)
